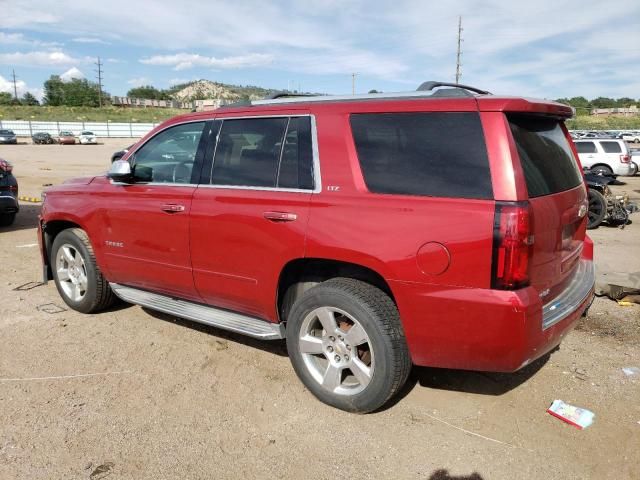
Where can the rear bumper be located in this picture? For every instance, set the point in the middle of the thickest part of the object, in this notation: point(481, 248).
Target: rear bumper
point(12, 141)
point(8, 204)
point(623, 169)
point(489, 330)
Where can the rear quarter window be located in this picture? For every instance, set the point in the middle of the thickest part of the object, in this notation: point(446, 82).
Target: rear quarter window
point(586, 147)
point(546, 157)
point(611, 147)
point(439, 154)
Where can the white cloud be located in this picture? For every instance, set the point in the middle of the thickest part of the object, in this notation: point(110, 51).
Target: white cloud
point(37, 58)
point(20, 39)
point(6, 85)
point(73, 72)
point(89, 40)
point(184, 61)
point(178, 81)
point(139, 81)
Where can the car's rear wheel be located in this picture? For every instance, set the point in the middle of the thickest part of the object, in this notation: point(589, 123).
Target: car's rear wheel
point(7, 219)
point(634, 169)
point(597, 208)
point(77, 276)
point(347, 345)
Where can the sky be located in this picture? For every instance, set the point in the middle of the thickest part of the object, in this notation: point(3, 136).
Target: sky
point(543, 48)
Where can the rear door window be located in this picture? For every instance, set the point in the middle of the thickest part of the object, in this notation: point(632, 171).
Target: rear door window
point(264, 152)
point(440, 154)
point(611, 147)
point(547, 161)
point(586, 147)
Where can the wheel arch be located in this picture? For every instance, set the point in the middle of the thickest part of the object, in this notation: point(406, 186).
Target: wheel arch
point(300, 274)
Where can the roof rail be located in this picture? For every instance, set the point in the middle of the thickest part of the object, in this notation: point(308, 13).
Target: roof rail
point(430, 85)
point(276, 95)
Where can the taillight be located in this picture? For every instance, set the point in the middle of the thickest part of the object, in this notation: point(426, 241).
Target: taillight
point(625, 158)
point(512, 245)
point(13, 188)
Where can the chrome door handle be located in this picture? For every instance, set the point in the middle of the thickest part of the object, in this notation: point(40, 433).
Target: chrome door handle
point(280, 216)
point(172, 208)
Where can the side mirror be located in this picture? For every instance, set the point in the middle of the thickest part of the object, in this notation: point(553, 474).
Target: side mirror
point(120, 171)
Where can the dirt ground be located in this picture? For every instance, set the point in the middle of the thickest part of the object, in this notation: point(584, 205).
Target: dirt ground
point(130, 393)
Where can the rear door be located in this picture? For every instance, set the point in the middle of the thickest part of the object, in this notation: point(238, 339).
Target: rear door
point(250, 217)
point(558, 200)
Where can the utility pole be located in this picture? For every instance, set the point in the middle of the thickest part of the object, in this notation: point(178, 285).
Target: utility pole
point(99, 72)
point(459, 52)
point(15, 85)
point(353, 83)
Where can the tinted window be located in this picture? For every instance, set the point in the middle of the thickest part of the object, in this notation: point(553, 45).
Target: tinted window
point(611, 147)
point(586, 147)
point(434, 154)
point(264, 152)
point(545, 155)
point(171, 153)
point(296, 165)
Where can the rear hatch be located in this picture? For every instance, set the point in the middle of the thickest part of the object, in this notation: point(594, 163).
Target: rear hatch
point(557, 201)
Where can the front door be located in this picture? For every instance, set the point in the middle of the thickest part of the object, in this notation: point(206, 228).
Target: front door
point(251, 219)
point(146, 224)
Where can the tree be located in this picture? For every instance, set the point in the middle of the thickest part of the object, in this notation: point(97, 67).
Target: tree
point(29, 99)
point(75, 93)
point(374, 91)
point(603, 102)
point(625, 102)
point(148, 91)
point(5, 98)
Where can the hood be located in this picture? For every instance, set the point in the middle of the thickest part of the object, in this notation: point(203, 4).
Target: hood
point(79, 181)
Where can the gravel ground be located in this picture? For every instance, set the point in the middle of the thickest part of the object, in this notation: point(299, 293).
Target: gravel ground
point(130, 393)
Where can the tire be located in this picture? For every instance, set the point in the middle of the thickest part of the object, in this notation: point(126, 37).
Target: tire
point(84, 289)
point(597, 208)
point(602, 170)
point(323, 361)
point(7, 219)
point(634, 169)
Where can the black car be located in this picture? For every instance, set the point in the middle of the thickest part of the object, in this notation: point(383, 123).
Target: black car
point(42, 138)
point(7, 136)
point(120, 153)
point(8, 194)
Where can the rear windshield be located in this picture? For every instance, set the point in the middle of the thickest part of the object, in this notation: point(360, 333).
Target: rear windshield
point(440, 154)
point(545, 154)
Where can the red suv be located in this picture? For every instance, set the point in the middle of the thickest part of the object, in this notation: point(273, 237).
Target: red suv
point(442, 227)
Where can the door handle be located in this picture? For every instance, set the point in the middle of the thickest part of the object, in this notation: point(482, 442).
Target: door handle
point(172, 208)
point(280, 216)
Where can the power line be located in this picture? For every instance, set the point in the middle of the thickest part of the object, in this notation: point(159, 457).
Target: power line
point(15, 85)
point(459, 52)
point(99, 72)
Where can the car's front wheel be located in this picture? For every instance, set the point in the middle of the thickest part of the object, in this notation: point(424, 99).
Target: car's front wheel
point(7, 219)
point(77, 276)
point(347, 345)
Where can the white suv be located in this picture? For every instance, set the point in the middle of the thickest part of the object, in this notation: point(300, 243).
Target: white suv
point(604, 156)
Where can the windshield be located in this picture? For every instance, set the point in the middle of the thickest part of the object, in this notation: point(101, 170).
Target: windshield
point(6, 132)
point(87, 133)
point(66, 134)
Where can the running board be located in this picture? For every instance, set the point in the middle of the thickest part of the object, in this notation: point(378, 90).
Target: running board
point(215, 317)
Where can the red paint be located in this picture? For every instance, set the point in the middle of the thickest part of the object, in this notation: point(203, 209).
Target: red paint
point(228, 247)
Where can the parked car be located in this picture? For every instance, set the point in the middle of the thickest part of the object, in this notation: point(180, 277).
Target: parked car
point(610, 156)
point(372, 232)
point(41, 138)
point(9, 205)
point(7, 136)
point(120, 153)
point(631, 137)
point(66, 138)
point(88, 138)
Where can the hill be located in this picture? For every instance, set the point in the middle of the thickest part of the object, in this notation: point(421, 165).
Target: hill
point(206, 89)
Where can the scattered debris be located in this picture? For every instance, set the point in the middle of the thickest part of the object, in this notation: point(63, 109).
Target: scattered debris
point(578, 417)
point(45, 168)
point(50, 308)
point(221, 345)
point(630, 371)
point(28, 286)
point(102, 471)
point(27, 245)
point(618, 286)
point(47, 184)
point(629, 300)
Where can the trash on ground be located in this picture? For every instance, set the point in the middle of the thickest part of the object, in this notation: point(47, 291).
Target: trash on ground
point(28, 286)
point(618, 286)
point(629, 300)
point(629, 371)
point(50, 308)
point(578, 417)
